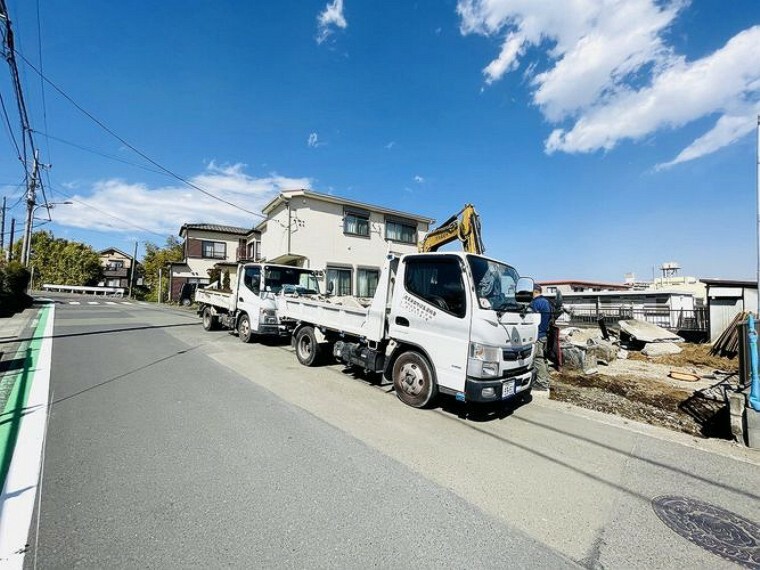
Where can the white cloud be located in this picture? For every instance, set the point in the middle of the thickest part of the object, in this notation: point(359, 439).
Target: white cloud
point(390, 145)
point(165, 209)
point(330, 18)
point(313, 140)
point(612, 76)
point(419, 179)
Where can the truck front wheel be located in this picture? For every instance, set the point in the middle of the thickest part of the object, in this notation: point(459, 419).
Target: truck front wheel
point(413, 380)
point(307, 347)
point(244, 329)
point(209, 320)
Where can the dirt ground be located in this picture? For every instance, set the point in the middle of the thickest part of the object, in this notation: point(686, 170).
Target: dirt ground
point(639, 388)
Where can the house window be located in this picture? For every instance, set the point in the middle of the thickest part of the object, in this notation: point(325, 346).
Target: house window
point(257, 251)
point(340, 279)
point(113, 282)
point(113, 265)
point(398, 230)
point(214, 250)
point(366, 282)
point(356, 223)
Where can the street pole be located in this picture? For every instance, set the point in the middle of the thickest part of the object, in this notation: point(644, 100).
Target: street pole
point(2, 228)
point(132, 271)
point(31, 199)
point(10, 247)
point(160, 282)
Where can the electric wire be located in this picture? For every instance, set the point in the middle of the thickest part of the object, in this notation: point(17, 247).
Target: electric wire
point(132, 147)
point(9, 128)
point(110, 215)
point(104, 155)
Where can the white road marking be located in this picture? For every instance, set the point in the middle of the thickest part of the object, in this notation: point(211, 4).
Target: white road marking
point(126, 303)
point(74, 303)
point(110, 302)
point(93, 303)
point(17, 499)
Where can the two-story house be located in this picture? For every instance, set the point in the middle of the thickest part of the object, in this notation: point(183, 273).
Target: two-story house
point(344, 239)
point(206, 246)
point(117, 268)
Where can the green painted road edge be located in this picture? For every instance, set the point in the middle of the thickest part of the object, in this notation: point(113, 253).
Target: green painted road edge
point(10, 420)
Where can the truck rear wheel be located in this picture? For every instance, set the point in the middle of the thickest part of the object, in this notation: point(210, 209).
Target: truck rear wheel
point(244, 329)
point(209, 320)
point(307, 347)
point(413, 380)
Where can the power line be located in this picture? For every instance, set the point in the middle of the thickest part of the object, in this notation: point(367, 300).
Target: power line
point(133, 148)
point(10, 129)
point(104, 155)
point(110, 215)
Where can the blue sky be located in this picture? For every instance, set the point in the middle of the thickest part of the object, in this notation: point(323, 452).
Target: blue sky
point(595, 138)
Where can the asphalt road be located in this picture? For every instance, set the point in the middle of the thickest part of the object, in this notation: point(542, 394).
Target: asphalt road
point(171, 447)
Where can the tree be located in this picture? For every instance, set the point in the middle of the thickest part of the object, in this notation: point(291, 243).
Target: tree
point(158, 258)
point(63, 262)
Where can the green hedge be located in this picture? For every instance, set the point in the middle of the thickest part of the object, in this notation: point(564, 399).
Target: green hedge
point(14, 279)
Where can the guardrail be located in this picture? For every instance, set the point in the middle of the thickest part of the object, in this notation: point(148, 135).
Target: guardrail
point(84, 290)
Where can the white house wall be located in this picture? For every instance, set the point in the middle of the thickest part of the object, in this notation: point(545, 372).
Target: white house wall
point(316, 233)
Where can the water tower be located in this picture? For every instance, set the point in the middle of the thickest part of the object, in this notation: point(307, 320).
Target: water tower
point(669, 269)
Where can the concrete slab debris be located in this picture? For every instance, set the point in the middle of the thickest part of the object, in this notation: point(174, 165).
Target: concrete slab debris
point(643, 331)
point(654, 349)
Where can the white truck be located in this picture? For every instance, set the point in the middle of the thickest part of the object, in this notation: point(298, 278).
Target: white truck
point(250, 308)
point(454, 323)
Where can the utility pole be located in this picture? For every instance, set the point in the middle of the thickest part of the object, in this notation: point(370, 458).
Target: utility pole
point(31, 201)
point(160, 282)
point(132, 271)
point(2, 228)
point(758, 214)
point(10, 247)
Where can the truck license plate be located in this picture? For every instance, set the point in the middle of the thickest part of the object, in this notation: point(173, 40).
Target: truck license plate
point(508, 389)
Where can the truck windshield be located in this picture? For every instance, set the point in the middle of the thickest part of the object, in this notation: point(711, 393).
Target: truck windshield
point(301, 281)
point(495, 284)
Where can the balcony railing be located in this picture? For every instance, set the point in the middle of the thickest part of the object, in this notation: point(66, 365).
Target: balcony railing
point(676, 320)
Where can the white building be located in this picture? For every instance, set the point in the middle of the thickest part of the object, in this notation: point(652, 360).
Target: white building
point(346, 240)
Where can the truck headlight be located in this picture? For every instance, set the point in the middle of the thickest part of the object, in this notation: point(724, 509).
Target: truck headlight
point(484, 352)
point(268, 316)
point(484, 360)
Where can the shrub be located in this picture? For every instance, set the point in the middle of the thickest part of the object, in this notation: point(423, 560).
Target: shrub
point(14, 279)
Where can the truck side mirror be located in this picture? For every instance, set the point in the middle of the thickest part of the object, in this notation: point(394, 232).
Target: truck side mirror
point(524, 290)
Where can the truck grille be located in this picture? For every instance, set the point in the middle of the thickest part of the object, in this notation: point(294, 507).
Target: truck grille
point(512, 354)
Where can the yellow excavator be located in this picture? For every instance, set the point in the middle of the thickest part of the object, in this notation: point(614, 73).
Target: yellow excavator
point(466, 230)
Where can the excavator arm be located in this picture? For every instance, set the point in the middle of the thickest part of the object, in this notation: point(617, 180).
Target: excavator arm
point(466, 230)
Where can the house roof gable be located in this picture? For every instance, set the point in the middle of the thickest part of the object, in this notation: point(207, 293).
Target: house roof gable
point(283, 197)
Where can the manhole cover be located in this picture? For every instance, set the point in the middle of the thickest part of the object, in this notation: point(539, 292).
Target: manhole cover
point(717, 530)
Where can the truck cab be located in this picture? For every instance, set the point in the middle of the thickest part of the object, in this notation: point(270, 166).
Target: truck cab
point(466, 315)
point(250, 309)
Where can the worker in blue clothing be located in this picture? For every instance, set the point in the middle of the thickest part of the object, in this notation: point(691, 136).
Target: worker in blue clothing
point(540, 304)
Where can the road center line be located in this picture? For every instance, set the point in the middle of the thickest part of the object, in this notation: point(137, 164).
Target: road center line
point(27, 412)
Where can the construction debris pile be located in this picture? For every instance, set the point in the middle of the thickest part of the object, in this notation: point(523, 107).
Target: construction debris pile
point(643, 372)
point(585, 349)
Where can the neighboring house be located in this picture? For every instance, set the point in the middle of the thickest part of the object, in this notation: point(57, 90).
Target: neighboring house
point(346, 240)
point(578, 286)
point(117, 268)
point(726, 298)
point(205, 246)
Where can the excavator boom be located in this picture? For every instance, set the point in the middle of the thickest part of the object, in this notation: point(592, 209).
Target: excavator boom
point(466, 230)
